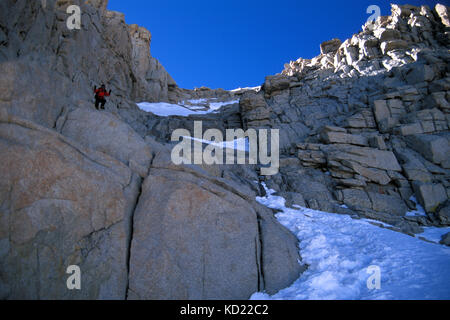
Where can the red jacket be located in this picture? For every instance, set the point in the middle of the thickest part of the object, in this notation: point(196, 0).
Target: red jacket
point(101, 93)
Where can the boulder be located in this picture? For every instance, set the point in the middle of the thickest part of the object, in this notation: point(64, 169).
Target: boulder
point(388, 204)
point(254, 109)
point(196, 239)
point(430, 195)
point(389, 35)
point(388, 113)
point(413, 166)
point(371, 174)
point(409, 129)
point(352, 183)
point(356, 199)
point(370, 46)
point(377, 142)
point(312, 158)
point(383, 115)
point(329, 135)
point(330, 46)
point(439, 99)
point(294, 199)
point(443, 214)
point(432, 147)
point(61, 205)
point(367, 157)
point(391, 45)
point(443, 12)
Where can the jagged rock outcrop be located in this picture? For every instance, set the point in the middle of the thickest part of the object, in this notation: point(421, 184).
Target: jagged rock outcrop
point(155, 83)
point(368, 119)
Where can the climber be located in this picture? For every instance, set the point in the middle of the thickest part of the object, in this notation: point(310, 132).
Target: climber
point(100, 95)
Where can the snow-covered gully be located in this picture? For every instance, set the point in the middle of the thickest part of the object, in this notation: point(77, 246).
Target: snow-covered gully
point(339, 250)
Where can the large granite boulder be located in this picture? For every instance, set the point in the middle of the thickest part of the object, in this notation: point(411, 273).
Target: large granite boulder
point(61, 205)
point(196, 236)
point(430, 195)
point(432, 147)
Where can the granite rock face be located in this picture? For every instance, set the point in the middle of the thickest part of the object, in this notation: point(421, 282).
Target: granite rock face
point(364, 131)
point(46, 67)
point(197, 236)
point(97, 190)
point(155, 82)
point(61, 205)
point(107, 133)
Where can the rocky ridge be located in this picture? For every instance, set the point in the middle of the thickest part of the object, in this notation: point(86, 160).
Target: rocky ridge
point(365, 125)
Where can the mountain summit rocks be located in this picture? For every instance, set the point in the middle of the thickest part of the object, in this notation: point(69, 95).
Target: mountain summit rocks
point(368, 119)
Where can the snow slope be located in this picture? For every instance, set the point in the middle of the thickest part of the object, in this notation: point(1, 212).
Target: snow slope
point(257, 89)
point(164, 109)
point(339, 250)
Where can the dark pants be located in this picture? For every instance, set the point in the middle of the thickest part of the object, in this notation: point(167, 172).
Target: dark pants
point(100, 101)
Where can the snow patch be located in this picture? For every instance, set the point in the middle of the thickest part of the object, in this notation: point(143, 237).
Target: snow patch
point(257, 89)
point(164, 109)
point(214, 106)
point(420, 211)
point(237, 144)
point(434, 234)
point(339, 250)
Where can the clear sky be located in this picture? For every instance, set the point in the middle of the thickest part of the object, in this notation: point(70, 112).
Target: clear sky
point(236, 43)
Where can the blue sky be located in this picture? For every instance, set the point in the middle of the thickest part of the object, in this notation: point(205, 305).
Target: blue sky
point(231, 43)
